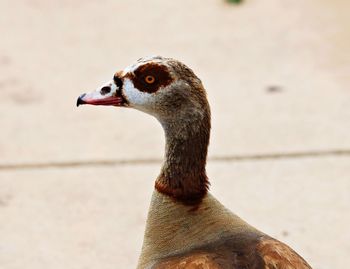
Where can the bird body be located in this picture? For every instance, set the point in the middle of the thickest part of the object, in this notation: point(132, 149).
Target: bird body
point(208, 236)
point(187, 228)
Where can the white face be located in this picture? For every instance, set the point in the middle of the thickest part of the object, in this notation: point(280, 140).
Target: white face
point(136, 98)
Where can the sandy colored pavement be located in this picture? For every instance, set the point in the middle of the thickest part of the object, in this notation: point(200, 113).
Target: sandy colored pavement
point(75, 183)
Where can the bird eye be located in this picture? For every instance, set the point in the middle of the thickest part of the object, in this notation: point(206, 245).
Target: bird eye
point(150, 79)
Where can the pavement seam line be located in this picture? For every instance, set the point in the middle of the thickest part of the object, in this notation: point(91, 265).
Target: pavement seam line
point(232, 158)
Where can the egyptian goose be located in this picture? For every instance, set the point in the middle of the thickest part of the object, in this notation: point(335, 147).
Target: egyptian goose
point(186, 226)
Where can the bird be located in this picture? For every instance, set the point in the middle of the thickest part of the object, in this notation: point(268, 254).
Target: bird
point(187, 227)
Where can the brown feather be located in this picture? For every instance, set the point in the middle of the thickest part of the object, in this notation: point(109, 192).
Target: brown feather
point(195, 261)
point(277, 255)
point(236, 253)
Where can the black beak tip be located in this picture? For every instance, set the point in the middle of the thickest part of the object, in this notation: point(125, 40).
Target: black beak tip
point(80, 100)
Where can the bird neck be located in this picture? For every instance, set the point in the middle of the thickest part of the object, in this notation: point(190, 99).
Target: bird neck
point(183, 175)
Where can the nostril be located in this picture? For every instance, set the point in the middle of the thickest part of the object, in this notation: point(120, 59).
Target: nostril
point(105, 90)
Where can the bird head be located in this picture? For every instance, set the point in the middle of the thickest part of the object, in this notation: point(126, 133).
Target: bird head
point(162, 87)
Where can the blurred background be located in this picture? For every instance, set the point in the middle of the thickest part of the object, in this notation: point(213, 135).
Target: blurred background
point(75, 184)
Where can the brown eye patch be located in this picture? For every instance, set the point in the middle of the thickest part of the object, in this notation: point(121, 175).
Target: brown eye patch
point(151, 77)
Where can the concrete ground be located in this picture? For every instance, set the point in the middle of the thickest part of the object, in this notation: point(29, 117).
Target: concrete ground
point(75, 184)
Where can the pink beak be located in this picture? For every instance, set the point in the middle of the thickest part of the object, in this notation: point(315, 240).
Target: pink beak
point(85, 99)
